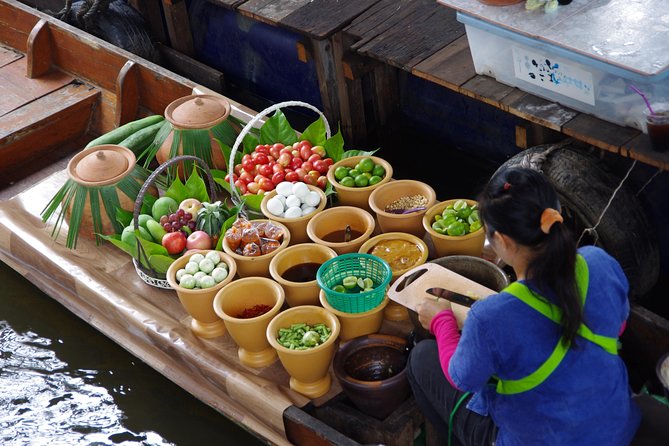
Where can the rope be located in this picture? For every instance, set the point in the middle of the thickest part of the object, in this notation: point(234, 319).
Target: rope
point(659, 171)
point(606, 208)
point(452, 415)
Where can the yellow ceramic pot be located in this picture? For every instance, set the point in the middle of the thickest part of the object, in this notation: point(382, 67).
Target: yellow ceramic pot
point(357, 196)
point(256, 266)
point(199, 302)
point(407, 246)
point(445, 245)
point(392, 191)
point(334, 221)
point(249, 333)
point(356, 324)
point(308, 369)
point(296, 226)
point(297, 262)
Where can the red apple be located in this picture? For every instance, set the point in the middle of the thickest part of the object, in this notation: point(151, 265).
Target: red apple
point(198, 240)
point(174, 242)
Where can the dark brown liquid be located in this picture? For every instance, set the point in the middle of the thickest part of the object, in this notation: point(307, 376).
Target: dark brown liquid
point(304, 272)
point(375, 363)
point(339, 236)
point(659, 136)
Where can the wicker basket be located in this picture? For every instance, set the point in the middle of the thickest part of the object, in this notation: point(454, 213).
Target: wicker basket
point(148, 275)
point(234, 193)
point(333, 272)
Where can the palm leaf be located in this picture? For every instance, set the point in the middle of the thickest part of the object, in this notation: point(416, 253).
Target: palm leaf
point(111, 203)
point(149, 154)
point(93, 197)
point(225, 133)
point(75, 217)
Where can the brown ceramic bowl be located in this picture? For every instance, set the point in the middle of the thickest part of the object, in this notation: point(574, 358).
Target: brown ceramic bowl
point(334, 221)
point(357, 196)
point(308, 369)
point(371, 371)
point(445, 245)
point(199, 302)
point(291, 267)
point(392, 191)
point(256, 266)
point(297, 226)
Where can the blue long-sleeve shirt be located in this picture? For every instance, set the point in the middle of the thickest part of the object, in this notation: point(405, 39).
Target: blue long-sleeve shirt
point(587, 399)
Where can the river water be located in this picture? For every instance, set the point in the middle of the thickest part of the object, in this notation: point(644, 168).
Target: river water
point(64, 383)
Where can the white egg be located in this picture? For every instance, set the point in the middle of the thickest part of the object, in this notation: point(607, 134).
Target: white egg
point(292, 201)
point(282, 199)
point(284, 188)
point(300, 189)
point(293, 212)
point(274, 206)
point(312, 198)
point(306, 210)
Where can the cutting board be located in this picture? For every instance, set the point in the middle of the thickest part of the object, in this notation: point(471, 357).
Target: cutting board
point(432, 275)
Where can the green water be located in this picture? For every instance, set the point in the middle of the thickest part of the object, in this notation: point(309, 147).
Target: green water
point(64, 383)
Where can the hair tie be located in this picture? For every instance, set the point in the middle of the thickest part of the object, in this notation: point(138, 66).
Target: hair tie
point(548, 217)
point(506, 186)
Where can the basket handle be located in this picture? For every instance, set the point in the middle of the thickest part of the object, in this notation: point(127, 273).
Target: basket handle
point(236, 199)
point(149, 182)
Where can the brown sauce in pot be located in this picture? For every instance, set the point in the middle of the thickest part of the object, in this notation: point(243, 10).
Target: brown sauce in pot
point(400, 254)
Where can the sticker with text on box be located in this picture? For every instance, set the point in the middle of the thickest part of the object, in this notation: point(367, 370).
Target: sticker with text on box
point(554, 75)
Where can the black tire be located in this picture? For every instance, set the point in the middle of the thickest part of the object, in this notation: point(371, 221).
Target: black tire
point(585, 184)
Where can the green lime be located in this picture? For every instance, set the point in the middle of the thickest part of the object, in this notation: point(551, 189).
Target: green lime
point(339, 289)
point(447, 220)
point(456, 229)
point(464, 213)
point(349, 282)
point(374, 179)
point(347, 182)
point(460, 204)
point(366, 165)
point(379, 171)
point(449, 211)
point(341, 172)
point(474, 216)
point(439, 227)
point(369, 283)
point(361, 181)
point(475, 226)
point(354, 172)
point(361, 283)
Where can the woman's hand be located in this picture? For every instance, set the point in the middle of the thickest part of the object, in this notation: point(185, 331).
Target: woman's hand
point(427, 309)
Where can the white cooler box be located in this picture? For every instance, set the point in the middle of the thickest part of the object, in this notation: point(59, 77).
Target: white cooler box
point(555, 73)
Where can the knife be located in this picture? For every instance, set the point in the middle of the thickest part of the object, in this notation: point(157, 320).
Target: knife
point(451, 296)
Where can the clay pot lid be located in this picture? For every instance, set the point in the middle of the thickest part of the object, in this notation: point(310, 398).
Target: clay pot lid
point(101, 165)
point(198, 111)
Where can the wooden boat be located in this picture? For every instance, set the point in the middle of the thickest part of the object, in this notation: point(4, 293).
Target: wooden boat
point(60, 88)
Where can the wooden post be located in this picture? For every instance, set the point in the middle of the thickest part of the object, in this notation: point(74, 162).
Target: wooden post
point(39, 50)
point(178, 26)
point(127, 93)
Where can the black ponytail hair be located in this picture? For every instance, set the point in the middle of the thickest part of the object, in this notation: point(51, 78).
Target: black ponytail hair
point(512, 203)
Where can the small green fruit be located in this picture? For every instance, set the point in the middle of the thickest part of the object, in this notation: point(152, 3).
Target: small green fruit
point(156, 230)
point(163, 206)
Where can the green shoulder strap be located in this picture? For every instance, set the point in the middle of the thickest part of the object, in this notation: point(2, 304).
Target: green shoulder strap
point(552, 312)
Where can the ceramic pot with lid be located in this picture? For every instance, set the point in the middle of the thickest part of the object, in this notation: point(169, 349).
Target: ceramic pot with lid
point(101, 167)
point(196, 112)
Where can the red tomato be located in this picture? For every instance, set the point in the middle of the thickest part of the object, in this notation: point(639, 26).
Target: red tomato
point(296, 162)
point(308, 179)
point(265, 170)
point(252, 187)
point(234, 178)
point(260, 158)
point(238, 169)
point(266, 184)
point(277, 168)
point(284, 159)
point(321, 166)
point(248, 164)
point(300, 173)
point(271, 160)
point(319, 150)
point(322, 182)
point(314, 157)
point(246, 177)
point(275, 151)
point(295, 153)
point(278, 146)
point(288, 150)
point(278, 177)
point(305, 152)
point(292, 176)
point(258, 177)
point(305, 143)
point(262, 149)
point(241, 186)
point(328, 161)
point(307, 166)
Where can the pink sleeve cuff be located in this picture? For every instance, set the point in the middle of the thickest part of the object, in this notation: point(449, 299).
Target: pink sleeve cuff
point(445, 329)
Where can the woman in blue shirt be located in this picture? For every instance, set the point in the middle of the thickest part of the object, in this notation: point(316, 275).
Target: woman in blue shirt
point(536, 364)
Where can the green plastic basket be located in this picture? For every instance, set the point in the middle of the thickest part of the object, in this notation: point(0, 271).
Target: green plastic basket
point(333, 272)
